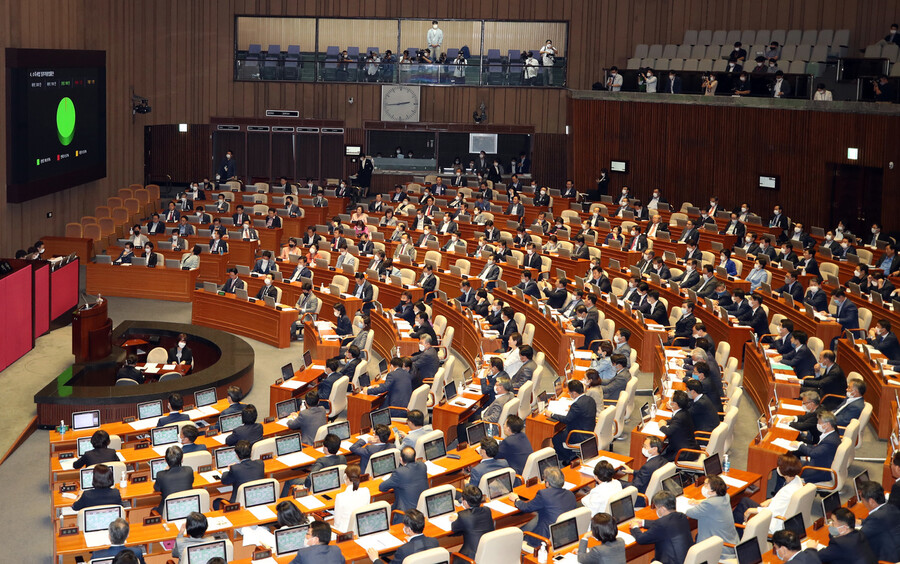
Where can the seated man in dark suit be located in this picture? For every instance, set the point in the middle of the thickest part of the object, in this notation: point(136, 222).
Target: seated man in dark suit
point(416, 541)
point(488, 449)
point(556, 294)
point(822, 453)
point(651, 450)
point(129, 370)
point(425, 363)
point(516, 447)
point(317, 549)
point(882, 526)
point(407, 482)
point(378, 443)
point(786, 546)
point(264, 265)
point(792, 287)
point(398, 386)
point(588, 327)
point(332, 445)
point(895, 474)
point(756, 318)
point(680, 429)
point(176, 402)
point(189, 434)
point(549, 503)
point(176, 478)
point(126, 255)
point(827, 379)
point(852, 407)
point(241, 472)
point(782, 343)
point(267, 290)
point(800, 358)
point(118, 535)
point(422, 326)
point(845, 543)
point(815, 296)
point(703, 411)
point(670, 533)
point(656, 310)
point(885, 341)
point(808, 421)
point(233, 283)
point(847, 313)
point(526, 370)
point(472, 522)
point(582, 416)
point(617, 384)
point(332, 367)
point(528, 286)
point(249, 431)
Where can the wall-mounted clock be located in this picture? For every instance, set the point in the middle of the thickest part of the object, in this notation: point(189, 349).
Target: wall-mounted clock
point(400, 102)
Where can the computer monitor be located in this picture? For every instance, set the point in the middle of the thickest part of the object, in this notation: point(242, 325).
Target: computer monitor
point(325, 480)
point(85, 420)
point(673, 486)
point(712, 465)
point(563, 533)
point(382, 464)
point(84, 445)
point(795, 524)
point(307, 358)
point(858, 481)
point(87, 478)
point(290, 539)
point(341, 429)
point(831, 502)
point(228, 423)
point(156, 465)
point(100, 518)
point(450, 390)
point(551, 461)
point(181, 507)
point(201, 553)
point(439, 504)
point(202, 398)
point(476, 432)
point(372, 522)
point(435, 449)
point(150, 409)
point(286, 407)
point(167, 435)
point(499, 485)
point(104, 560)
point(589, 449)
point(622, 509)
point(748, 552)
point(288, 444)
point(287, 371)
point(380, 417)
point(225, 457)
point(261, 494)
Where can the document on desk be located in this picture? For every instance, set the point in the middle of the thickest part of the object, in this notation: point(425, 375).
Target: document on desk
point(500, 506)
point(783, 422)
point(682, 504)
point(143, 424)
point(779, 366)
point(205, 411)
point(295, 459)
point(434, 469)
point(169, 366)
point(96, 538)
point(151, 370)
point(664, 413)
point(218, 524)
point(442, 522)
point(464, 402)
point(292, 384)
point(560, 406)
point(329, 338)
point(652, 428)
point(221, 438)
point(161, 449)
point(783, 443)
point(379, 541)
point(584, 355)
point(674, 353)
point(629, 540)
point(317, 367)
point(792, 407)
point(310, 502)
point(210, 477)
point(263, 513)
point(733, 482)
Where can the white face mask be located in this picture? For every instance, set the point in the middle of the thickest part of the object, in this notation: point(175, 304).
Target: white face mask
point(829, 237)
point(743, 210)
point(268, 281)
point(797, 230)
point(646, 452)
point(820, 428)
point(421, 347)
point(748, 239)
point(655, 195)
point(181, 344)
point(857, 273)
point(435, 26)
point(874, 231)
point(813, 289)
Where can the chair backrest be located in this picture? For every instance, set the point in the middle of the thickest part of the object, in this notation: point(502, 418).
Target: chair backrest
point(74, 230)
point(424, 438)
point(158, 355)
point(865, 318)
point(631, 387)
point(421, 506)
point(532, 467)
point(394, 451)
point(169, 376)
point(419, 399)
point(196, 459)
point(524, 396)
point(439, 325)
point(582, 517)
point(758, 527)
point(528, 334)
point(363, 509)
point(707, 550)
point(264, 446)
point(229, 553)
point(630, 491)
point(605, 427)
point(722, 352)
point(667, 470)
point(338, 397)
point(864, 417)
point(509, 408)
point(801, 502)
point(497, 546)
point(729, 420)
point(608, 327)
point(79, 519)
point(619, 417)
point(431, 556)
point(204, 500)
point(483, 484)
point(117, 466)
point(240, 491)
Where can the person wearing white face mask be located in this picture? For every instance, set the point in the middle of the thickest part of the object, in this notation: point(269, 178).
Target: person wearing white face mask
point(713, 514)
point(787, 547)
point(641, 477)
point(845, 542)
point(846, 249)
point(815, 296)
point(821, 454)
point(317, 549)
point(268, 290)
point(655, 199)
point(435, 39)
point(180, 353)
point(788, 469)
point(503, 394)
point(885, 341)
point(614, 81)
point(852, 407)
point(670, 533)
point(541, 198)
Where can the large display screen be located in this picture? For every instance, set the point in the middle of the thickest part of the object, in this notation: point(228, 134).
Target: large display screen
point(56, 117)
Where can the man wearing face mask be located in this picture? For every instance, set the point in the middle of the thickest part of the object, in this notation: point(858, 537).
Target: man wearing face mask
point(345, 258)
point(150, 255)
point(306, 304)
point(216, 245)
point(822, 453)
point(846, 249)
point(787, 547)
point(317, 549)
point(800, 358)
point(847, 313)
point(885, 341)
point(734, 227)
point(227, 169)
point(673, 84)
point(807, 422)
point(541, 197)
point(614, 81)
point(180, 353)
point(138, 239)
point(503, 392)
point(581, 416)
point(425, 362)
point(653, 461)
point(815, 296)
point(264, 265)
point(845, 543)
point(713, 514)
point(267, 290)
point(882, 526)
point(792, 287)
point(851, 407)
point(155, 226)
point(680, 429)
point(670, 533)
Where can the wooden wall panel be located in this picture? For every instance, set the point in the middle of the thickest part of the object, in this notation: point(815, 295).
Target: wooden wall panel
point(692, 152)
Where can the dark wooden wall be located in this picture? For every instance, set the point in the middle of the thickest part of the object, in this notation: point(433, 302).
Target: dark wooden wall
point(693, 151)
point(179, 54)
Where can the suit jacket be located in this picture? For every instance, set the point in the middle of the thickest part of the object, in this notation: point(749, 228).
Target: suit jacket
point(582, 416)
point(95, 497)
point(548, 503)
point(326, 384)
point(616, 386)
point(642, 475)
point(193, 447)
point(530, 289)
point(264, 267)
point(114, 550)
point(556, 298)
point(581, 252)
point(251, 432)
point(671, 534)
point(806, 423)
point(802, 360)
point(849, 411)
point(365, 451)
point(472, 524)
point(673, 86)
point(425, 365)
point(515, 450)
point(601, 554)
point(319, 554)
point(895, 494)
point(703, 414)
point(795, 290)
point(231, 285)
point(267, 291)
point(833, 382)
point(273, 222)
point(173, 480)
point(739, 309)
point(408, 482)
point(412, 545)
point(821, 455)
point(485, 467)
point(638, 243)
point(308, 423)
point(680, 433)
point(882, 529)
point(852, 548)
point(240, 218)
point(887, 345)
point(241, 473)
point(326, 461)
point(739, 229)
point(172, 417)
point(817, 300)
point(218, 247)
point(688, 236)
point(398, 385)
point(590, 330)
point(492, 412)
point(688, 279)
point(657, 312)
point(848, 315)
point(757, 321)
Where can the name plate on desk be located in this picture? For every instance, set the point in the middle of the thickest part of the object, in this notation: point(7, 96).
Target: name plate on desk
point(68, 487)
point(141, 446)
point(68, 531)
point(152, 520)
point(261, 555)
point(66, 455)
point(139, 479)
point(229, 507)
point(128, 420)
point(204, 468)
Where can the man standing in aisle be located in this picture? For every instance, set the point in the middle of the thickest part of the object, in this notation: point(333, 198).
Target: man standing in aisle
point(435, 38)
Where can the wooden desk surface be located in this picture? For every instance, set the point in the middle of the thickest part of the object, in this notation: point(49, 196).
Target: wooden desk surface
point(254, 320)
point(138, 282)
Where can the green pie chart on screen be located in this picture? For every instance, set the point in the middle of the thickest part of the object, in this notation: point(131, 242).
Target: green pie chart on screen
point(65, 121)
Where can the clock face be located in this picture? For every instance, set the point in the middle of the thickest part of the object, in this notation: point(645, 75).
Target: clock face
point(400, 103)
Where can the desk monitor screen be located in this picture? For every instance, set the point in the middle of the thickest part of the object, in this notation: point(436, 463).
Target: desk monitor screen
point(342, 430)
point(228, 423)
point(795, 524)
point(435, 449)
point(288, 444)
point(858, 481)
point(622, 509)
point(150, 409)
point(241, 294)
point(291, 539)
point(383, 464)
point(210, 287)
point(551, 461)
point(202, 398)
point(450, 390)
point(325, 480)
point(102, 560)
point(85, 420)
point(87, 478)
point(564, 533)
point(167, 435)
point(225, 457)
point(84, 445)
point(831, 502)
point(380, 417)
point(475, 432)
point(372, 522)
point(307, 358)
point(285, 408)
point(645, 411)
point(499, 485)
point(156, 465)
point(439, 504)
point(261, 494)
point(99, 519)
point(748, 552)
point(712, 465)
point(589, 449)
point(200, 553)
point(287, 371)
point(181, 507)
point(673, 486)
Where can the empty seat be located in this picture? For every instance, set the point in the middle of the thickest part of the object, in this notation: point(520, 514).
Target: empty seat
point(779, 35)
point(74, 230)
point(819, 54)
point(873, 51)
point(689, 65)
point(683, 52)
point(719, 65)
point(788, 52)
point(794, 36)
point(842, 38)
point(705, 65)
point(670, 51)
point(663, 64)
point(797, 67)
point(734, 35)
point(690, 37)
point(697, 52)
point(890, 51)
point(825, 37)
point(633, 63)
point(803, 52)
point(895, 71)
point(763, 37)
point(704, 37)
point(809, 36)
point(719, 36)
point(655, 51)
point(748, 36)
point(649, 63)
point(676, 64)
point(640, 52)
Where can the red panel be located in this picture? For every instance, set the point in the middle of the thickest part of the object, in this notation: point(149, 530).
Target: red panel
point(64, 289)
point(15, 331)
point(41, 300)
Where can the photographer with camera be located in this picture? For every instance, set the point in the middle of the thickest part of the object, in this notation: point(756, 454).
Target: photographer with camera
point(459, 69)
point(531, 68)
point(884, 90)
point(710, 84)
point(648, 80)
point(548, 59)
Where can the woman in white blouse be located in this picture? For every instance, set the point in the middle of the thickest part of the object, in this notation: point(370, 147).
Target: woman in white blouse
point(512, 361)
point(788, 468)
point(353, 497)
point(597, 500)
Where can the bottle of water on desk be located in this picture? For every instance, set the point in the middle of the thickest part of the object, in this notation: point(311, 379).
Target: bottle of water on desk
point(726, 464)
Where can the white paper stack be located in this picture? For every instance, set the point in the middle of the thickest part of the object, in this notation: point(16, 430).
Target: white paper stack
point(310, 502)
point(500, 507)
point(263, 513)
point(291, 384)
point(298, 458)
point(442, 521)
point(143, 424)
point(379, 541)
point(783, 443)
point(434, 469)
point(733, 482)
point(652, 428)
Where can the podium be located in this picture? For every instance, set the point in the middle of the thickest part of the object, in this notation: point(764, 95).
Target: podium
point(91, 333)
